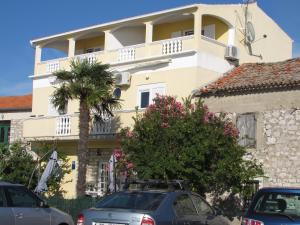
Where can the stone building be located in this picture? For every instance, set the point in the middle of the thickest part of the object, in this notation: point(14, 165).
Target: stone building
point(264, 101)
point(13, 111)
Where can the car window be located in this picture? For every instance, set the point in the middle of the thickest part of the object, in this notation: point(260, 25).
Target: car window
point(284, 203)
point(2, 200)
point(20, 197)
point(132, 200)
point(184, 206)
point(201, 206)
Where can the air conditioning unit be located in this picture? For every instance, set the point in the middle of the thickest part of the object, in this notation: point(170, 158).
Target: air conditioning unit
point(122, 79)
point(231, 53)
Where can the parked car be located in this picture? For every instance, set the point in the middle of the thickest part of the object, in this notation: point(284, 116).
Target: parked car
point(274, 206)
point(19, 206)
point(149, 205)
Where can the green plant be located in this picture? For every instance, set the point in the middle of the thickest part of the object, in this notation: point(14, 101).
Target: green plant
point(91, 84)
point(174, 140)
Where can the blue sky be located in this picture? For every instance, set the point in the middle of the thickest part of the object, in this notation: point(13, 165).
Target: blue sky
point(21, 21)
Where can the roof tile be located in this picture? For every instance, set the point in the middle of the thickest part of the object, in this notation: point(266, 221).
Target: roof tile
point(16, 102)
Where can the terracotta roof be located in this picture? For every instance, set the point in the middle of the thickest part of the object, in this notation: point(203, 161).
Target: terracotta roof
point(16, 103)
point(253, 77)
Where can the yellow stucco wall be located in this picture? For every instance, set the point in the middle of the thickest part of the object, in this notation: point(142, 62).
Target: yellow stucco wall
point(87, 43)
point(221, 31)
point(164, 30)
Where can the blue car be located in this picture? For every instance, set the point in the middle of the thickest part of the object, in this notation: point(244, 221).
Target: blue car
point(274, 206)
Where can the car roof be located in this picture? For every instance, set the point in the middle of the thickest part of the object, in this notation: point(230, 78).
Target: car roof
point(281, 189)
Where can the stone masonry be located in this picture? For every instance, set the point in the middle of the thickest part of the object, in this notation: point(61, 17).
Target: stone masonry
point(280, 151)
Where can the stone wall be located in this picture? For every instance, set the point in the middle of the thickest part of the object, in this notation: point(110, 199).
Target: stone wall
point(280, 152)
point(16, 130)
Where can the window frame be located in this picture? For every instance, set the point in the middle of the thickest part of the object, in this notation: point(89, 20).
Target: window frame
point(183, 215)
point(212, 211)
point(248, 143)
point(151, 89)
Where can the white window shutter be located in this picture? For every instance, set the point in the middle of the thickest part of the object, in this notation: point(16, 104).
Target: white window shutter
point(52, 111)
point(157, 90)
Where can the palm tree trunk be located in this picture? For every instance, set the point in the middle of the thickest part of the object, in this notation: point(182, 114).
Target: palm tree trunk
point(82, 151)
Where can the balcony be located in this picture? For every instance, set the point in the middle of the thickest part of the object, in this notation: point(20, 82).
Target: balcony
point(130, 42)
point(63, 127)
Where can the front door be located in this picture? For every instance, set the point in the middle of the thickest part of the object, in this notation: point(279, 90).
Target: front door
point(26, 207)
point(103, 178)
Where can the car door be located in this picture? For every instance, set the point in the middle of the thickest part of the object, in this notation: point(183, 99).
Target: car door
point(26, 207)
point(6, 213)
point(186, 213)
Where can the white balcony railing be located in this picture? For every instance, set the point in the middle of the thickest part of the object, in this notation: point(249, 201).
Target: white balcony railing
point(91, 57)
point(52, 67)
point(172, 46)
point(104, 127)
point(63, 125)
point(126, 54)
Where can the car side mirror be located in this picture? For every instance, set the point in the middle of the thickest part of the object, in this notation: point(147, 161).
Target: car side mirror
point(43, 204)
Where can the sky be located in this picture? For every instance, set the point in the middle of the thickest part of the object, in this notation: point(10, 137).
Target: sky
point(24, 20)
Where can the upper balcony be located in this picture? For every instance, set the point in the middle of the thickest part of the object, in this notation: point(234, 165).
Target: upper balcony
point(135, 41)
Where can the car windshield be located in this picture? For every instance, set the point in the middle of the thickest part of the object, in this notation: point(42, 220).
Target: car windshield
point(132, 200)
point(281, 204)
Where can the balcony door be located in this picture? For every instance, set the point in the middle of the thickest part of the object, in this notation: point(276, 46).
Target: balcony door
point(103, 177)
point(4, 132)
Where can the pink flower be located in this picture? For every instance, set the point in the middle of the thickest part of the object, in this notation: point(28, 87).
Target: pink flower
point(118, 153)
point(129, 166)
point(165, 125)
point(129, 134)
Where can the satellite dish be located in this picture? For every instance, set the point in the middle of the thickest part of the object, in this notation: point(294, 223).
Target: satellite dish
point(250, 32)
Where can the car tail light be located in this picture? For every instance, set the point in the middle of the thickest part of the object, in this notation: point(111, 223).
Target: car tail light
point(247, 221)
point(147, 220)
point(80, 219)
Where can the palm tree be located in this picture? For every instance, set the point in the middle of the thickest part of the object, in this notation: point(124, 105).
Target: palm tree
point(91, 84)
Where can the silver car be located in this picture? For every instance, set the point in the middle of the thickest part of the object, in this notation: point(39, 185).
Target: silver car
point(19, 206)
point(152, 207)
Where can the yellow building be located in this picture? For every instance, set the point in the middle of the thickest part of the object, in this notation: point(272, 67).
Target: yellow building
point(171, 52)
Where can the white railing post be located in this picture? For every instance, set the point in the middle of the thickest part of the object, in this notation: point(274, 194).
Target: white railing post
point(172, 46)
point(63, 125)
point(126, 54)
point(91, 58)
point(52, 67)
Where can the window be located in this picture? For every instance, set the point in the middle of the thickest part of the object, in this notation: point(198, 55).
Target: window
point(209, 31)
point(188, 32)
point(4, 132)
point(184, 206)
point(145, 99)
point(146, 94)
point(132, 200)
point(276, 202)
point(20, 197)
point(246, 124)
point(202, 207)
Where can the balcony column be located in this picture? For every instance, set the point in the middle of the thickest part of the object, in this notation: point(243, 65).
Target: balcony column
point(149, 32)
point(197, 26)
point(107, 40)
point(38, 54)
point(72, 45)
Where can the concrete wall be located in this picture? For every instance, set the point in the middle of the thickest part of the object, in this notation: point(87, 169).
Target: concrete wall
point(87, 43)
point(278, 131)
